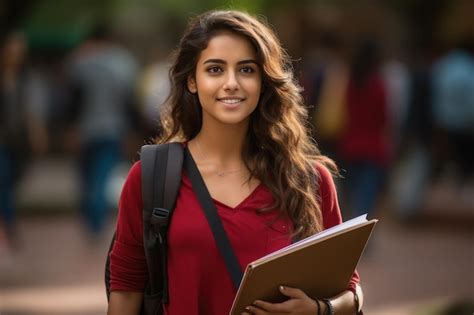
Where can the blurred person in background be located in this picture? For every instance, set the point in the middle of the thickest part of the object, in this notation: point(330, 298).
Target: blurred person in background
point(364, 143)
point(153, 89)
point(453, 114)
point(102, 78)
point(22, 128)
point(326, 81)
point(397, 80)
point(411, 172)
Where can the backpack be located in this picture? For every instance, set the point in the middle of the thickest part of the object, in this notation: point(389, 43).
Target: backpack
point(161, 167)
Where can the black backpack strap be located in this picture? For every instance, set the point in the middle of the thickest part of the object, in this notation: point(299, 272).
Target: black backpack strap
point(161, 167)
point(210, 210)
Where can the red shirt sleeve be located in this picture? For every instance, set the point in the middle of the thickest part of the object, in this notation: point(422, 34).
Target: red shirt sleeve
point(330, 208)
point(128, 269)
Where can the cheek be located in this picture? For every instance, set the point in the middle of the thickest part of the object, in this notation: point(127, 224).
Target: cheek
point(207, 86)
point(254, 87)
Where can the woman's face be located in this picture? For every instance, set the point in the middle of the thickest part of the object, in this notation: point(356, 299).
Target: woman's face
point(227, 80)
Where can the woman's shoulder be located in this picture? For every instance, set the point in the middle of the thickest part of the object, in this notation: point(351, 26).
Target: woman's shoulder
point(135, 170)
point(322, 170)
point(327, 196)
point(134, 176)
point(325, 177)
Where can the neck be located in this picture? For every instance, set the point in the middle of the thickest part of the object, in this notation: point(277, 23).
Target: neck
point(219, 145)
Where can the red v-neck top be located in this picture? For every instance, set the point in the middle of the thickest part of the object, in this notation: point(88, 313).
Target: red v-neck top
point(199, 282)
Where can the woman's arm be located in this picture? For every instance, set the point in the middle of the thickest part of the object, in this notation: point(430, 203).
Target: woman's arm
point(125, 303)
point(345, 303)
point(299, 303)
point(128, 269)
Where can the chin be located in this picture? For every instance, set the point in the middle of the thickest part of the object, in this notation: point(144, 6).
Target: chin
point(232, 119)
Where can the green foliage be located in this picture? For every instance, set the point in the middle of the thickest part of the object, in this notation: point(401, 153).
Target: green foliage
point(190, 7)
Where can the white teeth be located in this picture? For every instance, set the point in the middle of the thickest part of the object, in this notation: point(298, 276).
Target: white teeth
point(231, 101)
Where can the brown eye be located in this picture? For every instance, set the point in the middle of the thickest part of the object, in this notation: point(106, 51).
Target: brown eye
point(214, 69)
point(247, 70)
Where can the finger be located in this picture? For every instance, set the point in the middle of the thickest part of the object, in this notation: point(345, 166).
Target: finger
point(292, 292)
point(258, 311)
point(255, 310)
point(284, 307)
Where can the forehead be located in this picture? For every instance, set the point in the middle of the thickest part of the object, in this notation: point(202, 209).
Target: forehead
point(228, 47)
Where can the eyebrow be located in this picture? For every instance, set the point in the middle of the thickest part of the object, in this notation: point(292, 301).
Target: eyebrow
point(220, 61)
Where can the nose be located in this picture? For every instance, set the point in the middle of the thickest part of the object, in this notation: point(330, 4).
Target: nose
point(231, 83)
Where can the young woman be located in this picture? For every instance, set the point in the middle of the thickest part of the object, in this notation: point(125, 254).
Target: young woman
point(235, 106)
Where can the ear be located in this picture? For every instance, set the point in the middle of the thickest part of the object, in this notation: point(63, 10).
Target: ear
point(192, 84)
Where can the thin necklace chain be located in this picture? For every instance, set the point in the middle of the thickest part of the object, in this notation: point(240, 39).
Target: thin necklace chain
point(218, 173)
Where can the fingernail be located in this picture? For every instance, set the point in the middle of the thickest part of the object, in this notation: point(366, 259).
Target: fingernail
point(282, 288)
point(247, 308)
point(256, 303)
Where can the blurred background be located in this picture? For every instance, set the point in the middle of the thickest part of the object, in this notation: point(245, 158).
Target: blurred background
point(389, 87)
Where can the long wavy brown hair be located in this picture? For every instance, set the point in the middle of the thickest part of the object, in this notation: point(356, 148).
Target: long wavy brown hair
point(278, 149)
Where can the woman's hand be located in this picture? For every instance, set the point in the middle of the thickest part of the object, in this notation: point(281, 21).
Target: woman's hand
point(299, 303)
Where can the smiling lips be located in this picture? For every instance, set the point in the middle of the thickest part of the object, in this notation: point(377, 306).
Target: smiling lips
point(231, 101)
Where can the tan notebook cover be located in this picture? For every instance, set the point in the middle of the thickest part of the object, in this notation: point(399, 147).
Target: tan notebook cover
point(321, 265)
